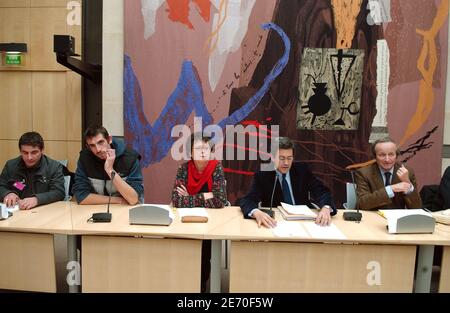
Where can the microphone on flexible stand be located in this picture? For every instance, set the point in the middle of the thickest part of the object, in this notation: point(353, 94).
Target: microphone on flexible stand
point(270, 212)
point(353, 216)
point(105, 217)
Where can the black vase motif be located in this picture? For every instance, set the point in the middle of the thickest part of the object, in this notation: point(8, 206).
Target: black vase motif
point(319, 104)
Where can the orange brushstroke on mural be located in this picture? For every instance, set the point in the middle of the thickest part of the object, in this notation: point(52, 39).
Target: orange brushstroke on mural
point(426, 95)
point(179, 10)
point(345, 13)
point(214, 37)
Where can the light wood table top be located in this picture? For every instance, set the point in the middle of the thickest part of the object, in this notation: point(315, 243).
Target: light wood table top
point(372, 229)
point(54, 218)
point(120, 223)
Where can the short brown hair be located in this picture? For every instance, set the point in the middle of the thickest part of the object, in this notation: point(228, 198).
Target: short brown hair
point(94, 131)
point(33, 139)
point(383, 140)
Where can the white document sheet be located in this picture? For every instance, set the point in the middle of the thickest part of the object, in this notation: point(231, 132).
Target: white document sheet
point(289, 229)
point(323, 232)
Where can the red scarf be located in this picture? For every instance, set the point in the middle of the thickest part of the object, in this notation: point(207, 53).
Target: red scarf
point(196, 180)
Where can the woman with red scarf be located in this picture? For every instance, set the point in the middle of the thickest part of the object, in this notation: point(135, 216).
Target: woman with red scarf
point(200, 182)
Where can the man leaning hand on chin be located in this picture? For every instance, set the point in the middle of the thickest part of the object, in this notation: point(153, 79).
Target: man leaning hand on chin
point(293, 181)
point(107, 166)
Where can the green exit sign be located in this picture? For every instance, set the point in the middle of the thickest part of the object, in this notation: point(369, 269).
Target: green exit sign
point(13, 59)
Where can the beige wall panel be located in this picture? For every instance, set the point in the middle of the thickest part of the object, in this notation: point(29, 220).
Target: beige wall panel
point(73, 118)
point(73, 151)
point(49, 105)
point(75, 31)
point(316, 267)
point(123, 264)
point(27, 262)
point(14, 25)
point(46, 22)
point(57, 150)
point(50, 3)
point(15, 104)
point(63, 150)
point(8, 150)
point(15, 3)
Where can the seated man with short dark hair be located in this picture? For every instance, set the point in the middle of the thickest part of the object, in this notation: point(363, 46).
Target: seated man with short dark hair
point(33, 178)
point(107, 166)
point(293, 182)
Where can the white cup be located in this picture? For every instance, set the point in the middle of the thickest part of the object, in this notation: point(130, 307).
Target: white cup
point(3, 212)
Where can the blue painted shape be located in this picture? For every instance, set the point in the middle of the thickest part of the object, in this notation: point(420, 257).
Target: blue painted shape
point(153, 143)
point(253, 102)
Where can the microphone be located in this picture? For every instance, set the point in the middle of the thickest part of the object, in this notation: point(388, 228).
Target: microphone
point(270, 212)
point(353, 216)
point(105, 217)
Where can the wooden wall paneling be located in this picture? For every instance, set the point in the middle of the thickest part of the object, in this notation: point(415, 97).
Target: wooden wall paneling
point(9, 150)
point(15, 3)
point(49, 3)
point(46, 22)
point(15, 104)
point(49, 104)
point(73, 151)
point(73, 103)
point(15, 27)
point(57, 150)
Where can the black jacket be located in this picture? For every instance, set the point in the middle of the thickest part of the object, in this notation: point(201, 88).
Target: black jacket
point(303, 183)
point(444, 189)
point(45, 181)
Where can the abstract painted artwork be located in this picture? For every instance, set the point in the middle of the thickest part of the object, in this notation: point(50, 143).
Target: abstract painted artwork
point(330, 89)
point(330, 74)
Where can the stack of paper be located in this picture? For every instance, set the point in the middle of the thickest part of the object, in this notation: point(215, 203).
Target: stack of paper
point(193, 215)
point(296, 212)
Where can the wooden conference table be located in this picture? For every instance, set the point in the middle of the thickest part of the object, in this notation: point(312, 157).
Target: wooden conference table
point(118, 257)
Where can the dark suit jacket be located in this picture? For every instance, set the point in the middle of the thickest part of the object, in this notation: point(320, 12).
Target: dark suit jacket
point(372, 194)
point(444, 189)
point(302, 183)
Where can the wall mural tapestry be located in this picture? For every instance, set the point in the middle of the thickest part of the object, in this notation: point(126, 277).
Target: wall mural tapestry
point(333, 75)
